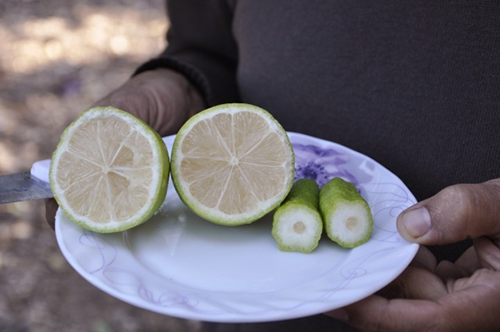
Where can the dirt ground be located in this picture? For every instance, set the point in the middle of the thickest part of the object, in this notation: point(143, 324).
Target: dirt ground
point(56, 58)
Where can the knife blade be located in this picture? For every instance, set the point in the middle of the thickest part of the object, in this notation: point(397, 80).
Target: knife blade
point(26, 186)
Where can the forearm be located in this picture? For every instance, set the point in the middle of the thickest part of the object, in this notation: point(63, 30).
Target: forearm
point(201, 46)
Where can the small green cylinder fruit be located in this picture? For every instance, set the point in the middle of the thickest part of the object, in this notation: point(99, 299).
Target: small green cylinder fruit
point(346, 215)
point(297, 223)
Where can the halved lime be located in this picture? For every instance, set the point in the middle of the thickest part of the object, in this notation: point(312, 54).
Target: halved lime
point(109, 171)
point(232, 164)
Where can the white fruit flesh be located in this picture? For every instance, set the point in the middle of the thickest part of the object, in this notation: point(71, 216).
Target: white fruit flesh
point(297, 229)
point(350, 223)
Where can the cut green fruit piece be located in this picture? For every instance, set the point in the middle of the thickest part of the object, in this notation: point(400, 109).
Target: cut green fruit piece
point(232, 164)
point(109, 171)
point(297, 223)
point(347, 216)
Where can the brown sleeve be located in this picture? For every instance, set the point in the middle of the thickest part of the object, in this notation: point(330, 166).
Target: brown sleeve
point(201, 47)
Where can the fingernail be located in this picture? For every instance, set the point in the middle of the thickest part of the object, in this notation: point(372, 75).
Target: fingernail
point(339, 314)
point(417, 222)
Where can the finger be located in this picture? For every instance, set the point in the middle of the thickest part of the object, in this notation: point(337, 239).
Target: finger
point(418, 280)
point(50, 212)
point(464, 267)
point(425, 259)
point(376, 313)
point(454, 214)
point(447, 270)
point(468, 261)
point(415, 283)
point(473, 309)
point(488, 253)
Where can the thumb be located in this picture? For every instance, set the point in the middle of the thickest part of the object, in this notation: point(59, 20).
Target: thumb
point(454, 214)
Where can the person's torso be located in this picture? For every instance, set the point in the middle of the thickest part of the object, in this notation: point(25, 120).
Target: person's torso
point(414, 85)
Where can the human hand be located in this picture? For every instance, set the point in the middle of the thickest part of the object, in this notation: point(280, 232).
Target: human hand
point(460, 296)
point(164, 99)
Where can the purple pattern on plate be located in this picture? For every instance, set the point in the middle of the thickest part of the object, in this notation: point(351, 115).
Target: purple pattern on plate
point(322, 165)
point(352, 270)
point(131, 283)
point(387, 201)
point(128, 282)
point(107, 252)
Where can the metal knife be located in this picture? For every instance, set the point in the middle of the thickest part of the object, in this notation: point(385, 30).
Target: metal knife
point(26, 186)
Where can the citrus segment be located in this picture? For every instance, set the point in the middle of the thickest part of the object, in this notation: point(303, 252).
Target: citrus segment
point(109, 171)
point(232, 163)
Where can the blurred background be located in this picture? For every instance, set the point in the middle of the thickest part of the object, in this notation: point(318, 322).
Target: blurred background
point(56, 58)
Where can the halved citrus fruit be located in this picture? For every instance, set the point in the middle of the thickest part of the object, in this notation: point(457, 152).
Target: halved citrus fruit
point(232, 164)
point(109, 171)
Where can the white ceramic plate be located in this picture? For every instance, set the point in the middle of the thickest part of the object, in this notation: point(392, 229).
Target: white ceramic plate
point(180, 265)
